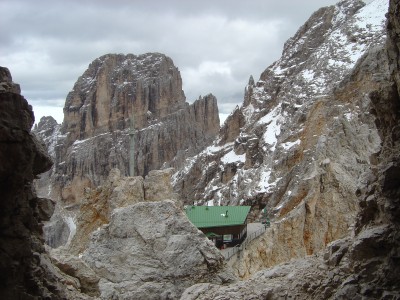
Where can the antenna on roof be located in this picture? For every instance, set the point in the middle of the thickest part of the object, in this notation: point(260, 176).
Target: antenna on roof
point(226, 214)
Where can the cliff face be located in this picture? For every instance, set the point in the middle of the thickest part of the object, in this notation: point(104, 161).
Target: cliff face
point(102, 98)
point(94, 137)
point(365, 263)
point(26, 271)
point(304, 137)
point(310, 220)
point(22, 158)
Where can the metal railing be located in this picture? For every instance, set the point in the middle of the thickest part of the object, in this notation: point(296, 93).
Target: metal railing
point(232, 251)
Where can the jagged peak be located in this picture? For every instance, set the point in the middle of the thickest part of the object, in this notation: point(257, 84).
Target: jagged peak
point(325, 49)
point(124, 74)
point(46, 122)
point(149, 63)
point(130, 56)
point(6, 82)
point(314, 61)
point(251, 81)
point(209, 95)
point(321, 22)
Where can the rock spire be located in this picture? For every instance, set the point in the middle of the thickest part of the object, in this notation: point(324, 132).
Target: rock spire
point(94, 136)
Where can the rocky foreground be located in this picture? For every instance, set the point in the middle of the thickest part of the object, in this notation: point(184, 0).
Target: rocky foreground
point(134, 244)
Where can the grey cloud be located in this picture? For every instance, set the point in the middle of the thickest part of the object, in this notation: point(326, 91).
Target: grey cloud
point(48, 44)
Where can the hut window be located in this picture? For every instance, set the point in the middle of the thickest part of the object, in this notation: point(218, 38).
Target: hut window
point(227, 237)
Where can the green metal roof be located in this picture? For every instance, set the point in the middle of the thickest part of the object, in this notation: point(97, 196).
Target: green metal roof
point(217, 216)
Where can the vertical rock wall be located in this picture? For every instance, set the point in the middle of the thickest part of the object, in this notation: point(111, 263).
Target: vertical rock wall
point(94, 137)
point(25, 269)
point(364, 265)
point(304, 136)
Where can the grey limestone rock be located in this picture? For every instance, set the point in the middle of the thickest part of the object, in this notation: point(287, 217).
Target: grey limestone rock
point(94, 136)
point(304, 135)
point(150, 250)
point(363, 265)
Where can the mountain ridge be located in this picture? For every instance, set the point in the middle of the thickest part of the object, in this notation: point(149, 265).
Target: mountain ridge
point(299, 142)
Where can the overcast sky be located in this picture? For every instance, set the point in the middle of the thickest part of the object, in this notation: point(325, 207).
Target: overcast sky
point(216, 44)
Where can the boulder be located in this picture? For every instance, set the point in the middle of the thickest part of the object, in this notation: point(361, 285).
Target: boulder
point(150, 250)
point(118, 191)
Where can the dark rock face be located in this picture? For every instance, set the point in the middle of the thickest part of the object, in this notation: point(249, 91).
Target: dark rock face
point(21, 213)
point(376, 251)
point(6, 83)
point(393, 42)
point(26, 269)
